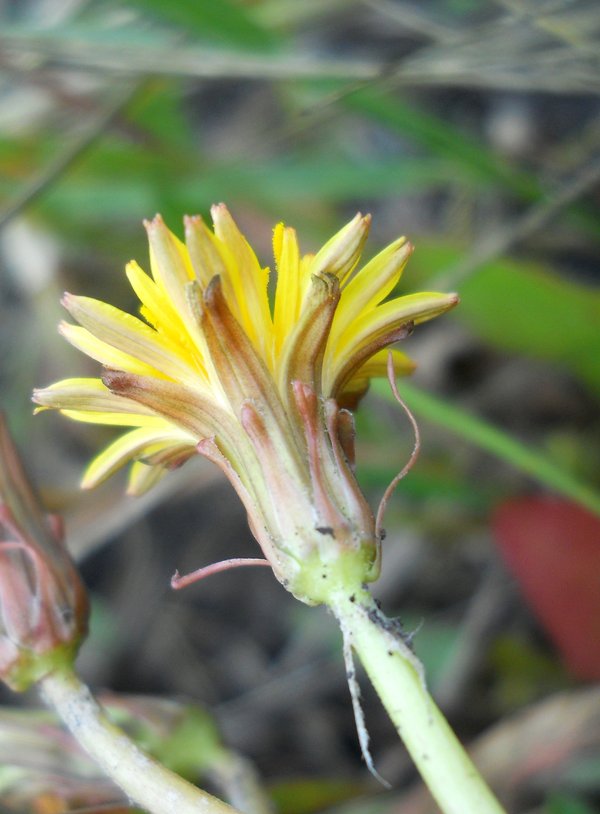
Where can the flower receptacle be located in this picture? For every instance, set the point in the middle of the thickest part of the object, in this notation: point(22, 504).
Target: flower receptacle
point(320, 578)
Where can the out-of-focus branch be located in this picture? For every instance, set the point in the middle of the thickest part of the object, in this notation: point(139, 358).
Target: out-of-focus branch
point(506, 57)
point(185, 61)
point(505, 237)
point(483, 616)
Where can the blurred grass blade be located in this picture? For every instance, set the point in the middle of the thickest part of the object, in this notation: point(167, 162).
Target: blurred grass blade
point(229, 21)
point(442, 138)
point(490, 438)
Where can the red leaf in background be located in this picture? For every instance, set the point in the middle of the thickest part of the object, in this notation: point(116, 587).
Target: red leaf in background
point(552, 548)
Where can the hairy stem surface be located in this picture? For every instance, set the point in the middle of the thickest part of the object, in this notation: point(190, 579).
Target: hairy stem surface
point(145, 781)
point(397, 675)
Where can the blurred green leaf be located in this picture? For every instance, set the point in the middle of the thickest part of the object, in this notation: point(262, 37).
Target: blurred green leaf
point(227, 20)
point(435, 642)
point(383, 451)
point(567, 804)
point(523, 672)
point(325, 179)
point(158, 111)
point(183, 737)
point(308, 795)
point(117, 179)
point(494, 440)
point(431, 480)
point(192, 746)
point(524, 308)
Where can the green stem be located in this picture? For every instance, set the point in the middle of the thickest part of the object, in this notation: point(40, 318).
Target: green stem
point(397, 676)
point(145, 781)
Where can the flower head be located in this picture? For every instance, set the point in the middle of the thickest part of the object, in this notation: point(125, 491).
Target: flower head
point(43, 603)
point(263, 392)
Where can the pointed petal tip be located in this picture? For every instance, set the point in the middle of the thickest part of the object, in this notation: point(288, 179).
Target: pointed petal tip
point(156, 222)
point(37, 397)
point(219, 212)
point(192, 221)
point(361, 222)
point(66, 299)
point(137, 490)
point(402, 249)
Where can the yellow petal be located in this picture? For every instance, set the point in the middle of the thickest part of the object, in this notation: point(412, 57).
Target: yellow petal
point(376, 330)
point(412, 308)
point(342, 252)
point(170, 262)
point(156, 306)
point(204, 250)
point(86, 342)
point(116, 419)
point(245, 284)
point(131, 445)
point(88, 395)
point(371, 285)
point(354, 389)
point(376, 366)
point(143, 477)
point(172, 269)
point(289, 289)
point(131, 336)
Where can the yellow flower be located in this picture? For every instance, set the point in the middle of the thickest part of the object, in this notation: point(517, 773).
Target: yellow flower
point(262, 391)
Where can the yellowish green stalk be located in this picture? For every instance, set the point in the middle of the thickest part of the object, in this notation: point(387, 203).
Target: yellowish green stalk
point(146, 782)
point(396, 674)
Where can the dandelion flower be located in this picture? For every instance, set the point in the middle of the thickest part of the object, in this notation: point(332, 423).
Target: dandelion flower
point(210, 367)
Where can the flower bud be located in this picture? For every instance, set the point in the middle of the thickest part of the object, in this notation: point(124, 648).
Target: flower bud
point(43, 603)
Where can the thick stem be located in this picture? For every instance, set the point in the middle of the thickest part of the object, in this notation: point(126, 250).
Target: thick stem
point(397, 676)
point(145, 781)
